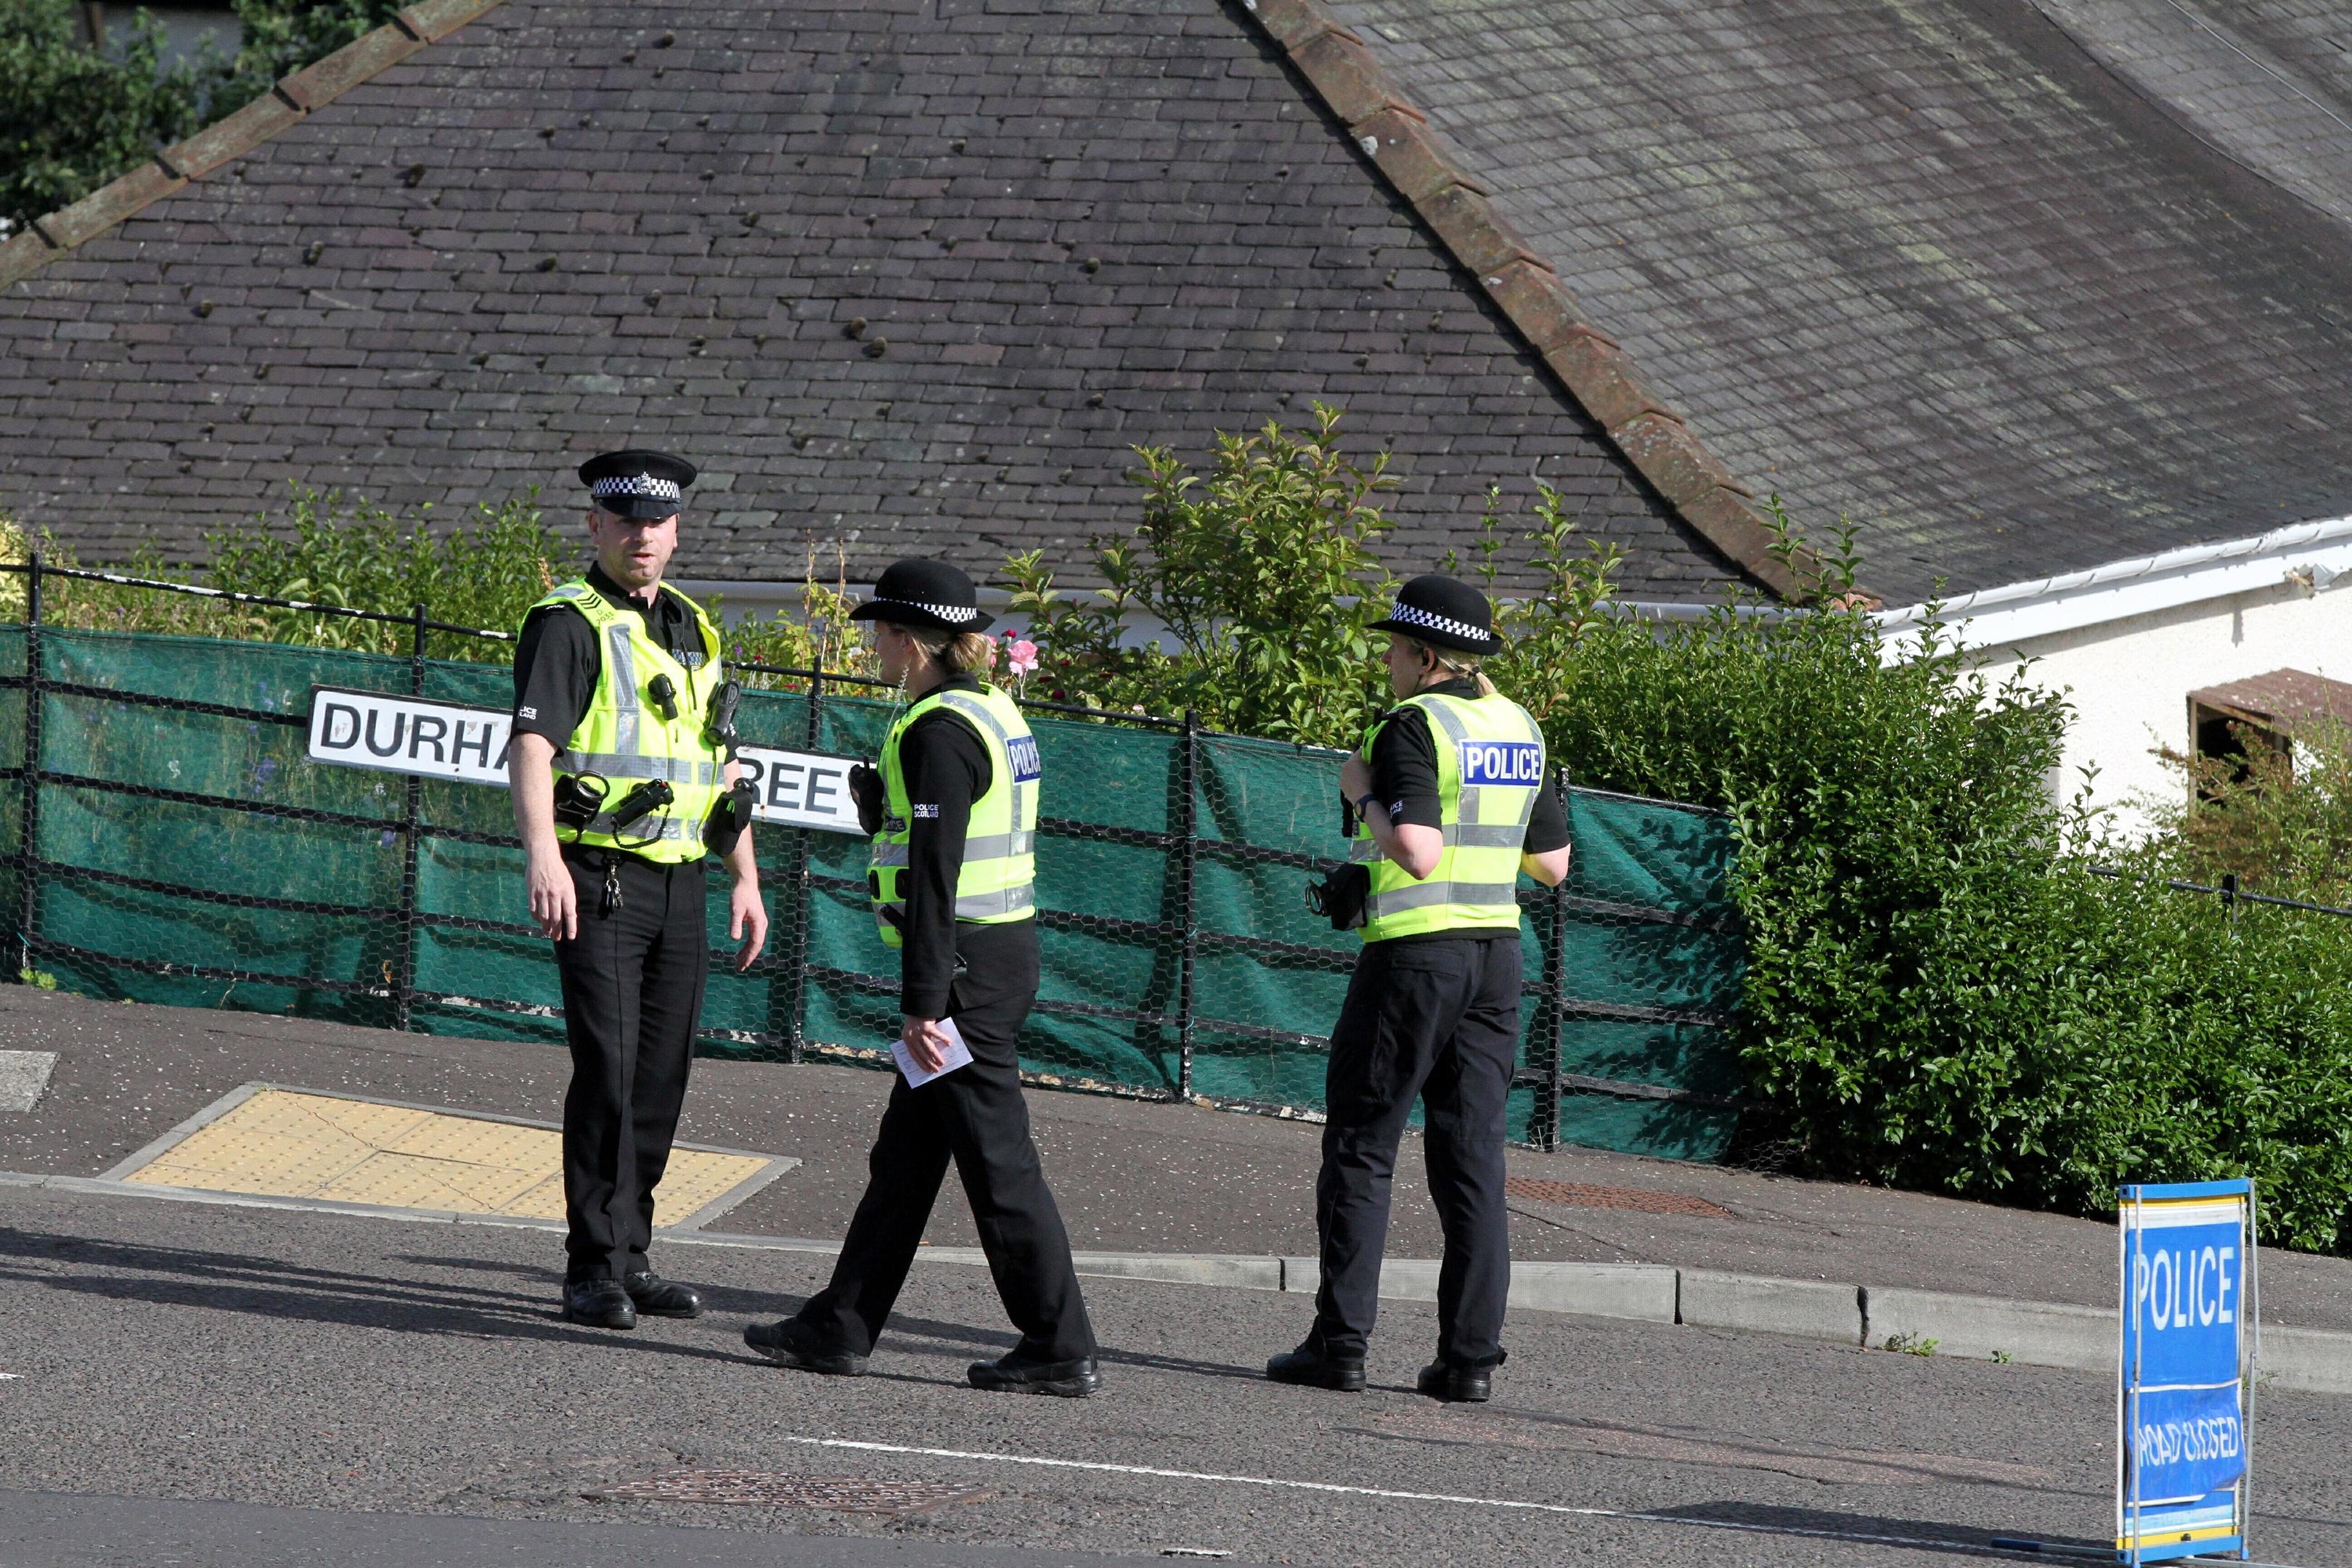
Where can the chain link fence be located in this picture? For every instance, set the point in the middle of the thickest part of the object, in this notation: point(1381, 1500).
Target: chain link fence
point(173, 842)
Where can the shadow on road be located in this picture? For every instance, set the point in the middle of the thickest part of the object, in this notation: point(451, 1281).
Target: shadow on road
point(1811, 1523)
point(268, 1287)
point(271, 1287)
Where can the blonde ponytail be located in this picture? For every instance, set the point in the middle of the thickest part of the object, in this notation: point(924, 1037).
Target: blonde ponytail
point(962, 653)
point(1457, 666)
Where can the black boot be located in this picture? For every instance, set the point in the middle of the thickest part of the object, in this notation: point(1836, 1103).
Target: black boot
point(1440, 1379)
point(1310, 1367)
point(599, 1304)
point(658, 1298)
point(790, 1342)
point(1063, 1379)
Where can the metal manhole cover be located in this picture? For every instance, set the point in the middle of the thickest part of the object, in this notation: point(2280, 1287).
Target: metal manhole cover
point(1584, 1195)
point(769, 1489)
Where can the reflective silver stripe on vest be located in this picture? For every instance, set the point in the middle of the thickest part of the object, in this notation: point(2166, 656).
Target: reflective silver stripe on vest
point(1476, 835)
point(620, 765)
point(888, 855)
point(620, 669)
point(999, 846)
point(1006, 901)
point(978, 907)
point(1421, 895)
point(978, 714)
point(637, 832)
point(1466, 804)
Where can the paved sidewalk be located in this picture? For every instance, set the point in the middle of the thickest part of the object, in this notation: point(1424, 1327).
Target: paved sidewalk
point(1133, 1176)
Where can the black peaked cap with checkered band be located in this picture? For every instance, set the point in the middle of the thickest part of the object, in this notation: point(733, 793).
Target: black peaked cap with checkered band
point(1443, 613)
point(928, 594)
point(639, 484)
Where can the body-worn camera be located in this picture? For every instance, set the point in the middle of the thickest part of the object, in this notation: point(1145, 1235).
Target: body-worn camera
point(720, 728)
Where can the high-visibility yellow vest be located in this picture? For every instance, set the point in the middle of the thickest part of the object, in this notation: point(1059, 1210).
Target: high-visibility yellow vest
point(1490, 765)
point(998, 882)
point(624, 738)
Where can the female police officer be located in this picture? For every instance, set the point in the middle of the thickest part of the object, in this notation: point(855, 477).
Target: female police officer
point(953, 883)
point(1451, 791)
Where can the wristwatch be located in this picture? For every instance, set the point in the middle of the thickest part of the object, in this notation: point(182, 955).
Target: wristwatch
point(1367, 795)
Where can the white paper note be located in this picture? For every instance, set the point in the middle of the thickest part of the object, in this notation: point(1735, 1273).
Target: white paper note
point(959, 1055)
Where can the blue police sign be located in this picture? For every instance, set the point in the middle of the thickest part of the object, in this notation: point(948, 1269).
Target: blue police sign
point(2188, 1319)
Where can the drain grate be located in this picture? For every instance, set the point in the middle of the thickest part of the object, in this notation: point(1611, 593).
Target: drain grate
point(770, 1488)
point(1584, 1195)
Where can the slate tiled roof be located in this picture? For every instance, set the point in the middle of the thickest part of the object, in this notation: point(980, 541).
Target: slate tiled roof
point(2020, 289)
point(914, 276)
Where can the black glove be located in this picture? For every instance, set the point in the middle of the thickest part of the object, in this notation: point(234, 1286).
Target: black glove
point(873, 800)
point(1342, 896)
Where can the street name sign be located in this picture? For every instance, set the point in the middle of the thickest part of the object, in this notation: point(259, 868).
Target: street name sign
point(2190, 1332)
point(468, 745)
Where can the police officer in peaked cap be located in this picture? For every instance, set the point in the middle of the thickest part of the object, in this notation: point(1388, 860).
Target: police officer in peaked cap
point(1451, 789)
point(622, 764)
point(953, 812)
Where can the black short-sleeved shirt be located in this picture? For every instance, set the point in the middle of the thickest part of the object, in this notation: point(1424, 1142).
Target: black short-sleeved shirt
point(558, 657)
point(947, 768)
point(1405, 777)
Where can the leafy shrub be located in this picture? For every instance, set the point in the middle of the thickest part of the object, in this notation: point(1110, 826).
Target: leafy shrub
point(2279, 821)
point(75, 118)
point(1940, 994)
point(1242, 569)
point(484, 572)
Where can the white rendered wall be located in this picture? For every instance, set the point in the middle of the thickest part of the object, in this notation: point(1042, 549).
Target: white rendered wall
point(2130, 679)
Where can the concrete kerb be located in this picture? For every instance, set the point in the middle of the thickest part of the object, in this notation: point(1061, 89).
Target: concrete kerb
point(1987, 1328)
point(1808, 1309)
point(2037, 1333)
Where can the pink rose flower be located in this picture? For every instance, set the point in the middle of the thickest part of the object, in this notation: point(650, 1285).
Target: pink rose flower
point(1020, 655)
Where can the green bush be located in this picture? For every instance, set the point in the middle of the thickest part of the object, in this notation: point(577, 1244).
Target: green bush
point(1242, 569)
point(1940, 992)
point(75, 118)
point(327, 550)
point(486, 570)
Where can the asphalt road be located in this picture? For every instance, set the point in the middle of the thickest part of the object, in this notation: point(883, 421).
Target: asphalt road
point(294, 1361)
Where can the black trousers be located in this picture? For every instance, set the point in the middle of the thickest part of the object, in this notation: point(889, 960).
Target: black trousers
point(1437, 1019)
point(977, 1117)
point(631, 994)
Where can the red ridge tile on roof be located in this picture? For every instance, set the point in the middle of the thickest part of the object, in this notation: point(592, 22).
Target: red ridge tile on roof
point(1653, 437)
point(226, 140)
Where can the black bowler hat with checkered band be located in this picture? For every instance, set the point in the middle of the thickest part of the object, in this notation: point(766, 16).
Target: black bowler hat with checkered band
point(649, 485)
point(1443, 613)
point(930, 593)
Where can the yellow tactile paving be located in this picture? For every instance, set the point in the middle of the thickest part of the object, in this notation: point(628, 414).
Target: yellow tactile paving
point(283, 1143)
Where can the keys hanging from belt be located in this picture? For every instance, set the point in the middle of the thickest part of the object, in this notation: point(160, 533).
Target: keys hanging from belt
point(611, 889)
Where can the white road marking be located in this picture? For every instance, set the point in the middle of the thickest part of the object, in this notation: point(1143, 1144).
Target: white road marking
point(1857, 1536)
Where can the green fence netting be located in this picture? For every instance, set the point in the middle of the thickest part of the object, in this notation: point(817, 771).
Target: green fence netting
point(174, 844)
